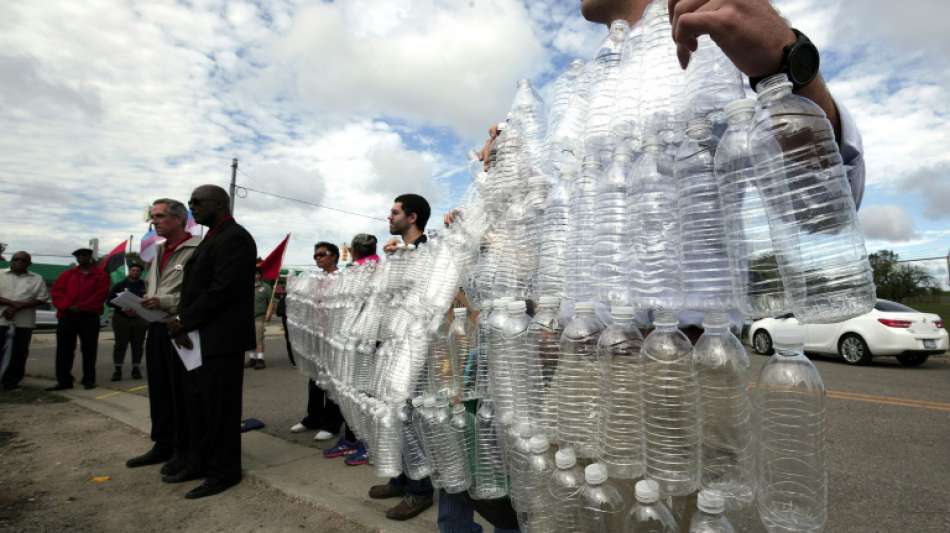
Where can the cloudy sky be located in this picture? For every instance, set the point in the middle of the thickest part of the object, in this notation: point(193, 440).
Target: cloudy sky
point(108, 104)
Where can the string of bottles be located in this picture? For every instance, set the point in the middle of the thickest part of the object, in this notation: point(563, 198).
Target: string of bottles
point(640, 195)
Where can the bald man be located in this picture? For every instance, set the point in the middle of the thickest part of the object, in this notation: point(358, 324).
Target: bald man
point(21, 292)
point(217, 301)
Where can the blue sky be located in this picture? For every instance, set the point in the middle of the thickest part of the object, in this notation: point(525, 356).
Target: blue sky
point(109, 105)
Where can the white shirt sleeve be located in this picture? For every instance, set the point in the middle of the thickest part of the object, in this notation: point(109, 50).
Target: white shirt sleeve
point(852, 153)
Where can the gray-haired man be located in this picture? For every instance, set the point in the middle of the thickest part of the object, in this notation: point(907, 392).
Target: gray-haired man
point(165, 370)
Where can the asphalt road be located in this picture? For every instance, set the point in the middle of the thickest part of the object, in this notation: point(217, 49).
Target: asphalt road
point(888, 431)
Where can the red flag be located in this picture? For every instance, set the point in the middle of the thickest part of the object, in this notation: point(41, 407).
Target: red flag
point(114, 261)
point(270, 266)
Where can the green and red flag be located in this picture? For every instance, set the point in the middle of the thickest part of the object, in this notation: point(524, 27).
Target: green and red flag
point(113, 263)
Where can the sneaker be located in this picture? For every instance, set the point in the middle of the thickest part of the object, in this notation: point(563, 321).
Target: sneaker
point(117, 375)
point(409, 507)
point(136, 373)
point(323, 435)
point(259, 364)
point(360, 457)
point(298, 428)
point(342, 447)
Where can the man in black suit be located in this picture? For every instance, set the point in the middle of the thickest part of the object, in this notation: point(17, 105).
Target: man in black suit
point(217, 300)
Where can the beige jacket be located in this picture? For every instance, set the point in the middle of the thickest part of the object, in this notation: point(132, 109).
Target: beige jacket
point(168, 288)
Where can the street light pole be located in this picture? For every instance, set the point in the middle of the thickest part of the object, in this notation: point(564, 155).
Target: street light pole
point(233, 187)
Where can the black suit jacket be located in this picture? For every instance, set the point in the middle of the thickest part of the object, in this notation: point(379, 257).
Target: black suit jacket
point(217, 291)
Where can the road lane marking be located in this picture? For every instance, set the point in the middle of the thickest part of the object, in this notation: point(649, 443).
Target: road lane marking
point(889, 400)
point(135, 389)
point(108, 395)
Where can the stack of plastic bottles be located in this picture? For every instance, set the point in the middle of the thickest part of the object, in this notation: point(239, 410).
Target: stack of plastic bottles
point(641, 194)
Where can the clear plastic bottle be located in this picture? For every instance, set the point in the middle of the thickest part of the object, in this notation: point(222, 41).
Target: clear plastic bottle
point(610, 247)
point(543, 342)
point(622, 434)
point(602, 506)
point(567, 484)
point(540, 513)
point(583, 231)
point(463, 351)
point(552, 260)
point(443, 372)
point(670, 408)
point(490, 480)
point(662, 104)
point(792, 483)
point(483, 330)
point(756, 276)
point(712, 81)
point(506, 360)
point(578, 382)
point(649, 514)
point(519, 359)
point(655, 280)
point(728, 458)
point(446, 446)
point(710, 519)
point(606, 74)
point(815, 230)
point(415, 460)
point(707, 281)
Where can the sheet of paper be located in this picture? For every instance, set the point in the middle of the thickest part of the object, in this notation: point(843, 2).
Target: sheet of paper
point(128, 300)
point(190, 358)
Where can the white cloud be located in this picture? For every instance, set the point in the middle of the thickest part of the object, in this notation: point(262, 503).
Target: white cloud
point(887, 222)
point(932, 185)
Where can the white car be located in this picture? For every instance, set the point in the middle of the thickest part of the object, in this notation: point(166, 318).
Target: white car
point(890, 329)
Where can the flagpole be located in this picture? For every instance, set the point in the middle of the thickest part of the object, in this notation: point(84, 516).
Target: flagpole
point(273, 290)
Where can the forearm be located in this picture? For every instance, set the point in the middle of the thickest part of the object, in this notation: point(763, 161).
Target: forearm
point(7, 301)
point(817, 91)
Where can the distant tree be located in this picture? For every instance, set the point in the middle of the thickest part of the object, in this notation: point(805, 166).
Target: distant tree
point(896, 281)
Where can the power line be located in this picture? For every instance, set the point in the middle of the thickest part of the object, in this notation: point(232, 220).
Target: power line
point(305, 202)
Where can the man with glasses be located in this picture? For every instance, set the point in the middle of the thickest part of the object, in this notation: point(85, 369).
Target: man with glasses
point(21, 292)
point(165, 370)
point(217, 302)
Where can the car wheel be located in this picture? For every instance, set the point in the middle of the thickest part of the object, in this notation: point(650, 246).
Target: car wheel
point(762, 342)
point(912, 359)
point(854, 350)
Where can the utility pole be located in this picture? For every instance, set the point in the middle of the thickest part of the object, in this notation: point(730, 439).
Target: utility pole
point(233, 188)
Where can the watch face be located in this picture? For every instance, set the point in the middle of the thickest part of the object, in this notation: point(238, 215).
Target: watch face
point(803, 63)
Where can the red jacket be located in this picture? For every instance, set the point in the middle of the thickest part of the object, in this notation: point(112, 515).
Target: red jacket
point(86, 291)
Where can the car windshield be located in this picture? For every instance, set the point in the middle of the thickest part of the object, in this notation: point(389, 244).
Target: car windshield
point(893, 307)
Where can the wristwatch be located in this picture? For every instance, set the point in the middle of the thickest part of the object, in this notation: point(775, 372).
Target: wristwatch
point(800, 62)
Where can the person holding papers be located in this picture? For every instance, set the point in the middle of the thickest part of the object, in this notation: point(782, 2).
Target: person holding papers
point(128, 326)
point(164, 368)
point(217, 302)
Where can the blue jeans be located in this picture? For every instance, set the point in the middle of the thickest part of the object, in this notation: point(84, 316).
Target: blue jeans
point(456, 515)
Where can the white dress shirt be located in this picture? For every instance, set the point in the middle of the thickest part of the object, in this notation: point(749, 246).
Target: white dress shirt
point(22, 287)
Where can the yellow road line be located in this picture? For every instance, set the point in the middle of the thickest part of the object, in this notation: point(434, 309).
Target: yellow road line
point(135, 389)
point(889, 400)
point(109, 395)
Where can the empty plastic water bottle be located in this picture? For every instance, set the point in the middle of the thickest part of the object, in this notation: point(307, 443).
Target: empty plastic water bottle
point(622, 431)
point(610, 247)
point(727, 455)
point(606, 75)
point(463, 351)
point(818, 241)
point(543, 342)
point(709, 518)
point(578, 382)
point(416, 463)
point(791, 491)
point(649, 514)
point(490, 480)
point(541, 516)
point(712, 81)
point(602, 505)
point(670, 408)
point(567, 483)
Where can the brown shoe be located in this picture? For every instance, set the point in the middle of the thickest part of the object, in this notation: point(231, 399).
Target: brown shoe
point(409, 507)
point(381, 492)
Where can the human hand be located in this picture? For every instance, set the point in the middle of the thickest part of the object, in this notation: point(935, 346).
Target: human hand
point(486, 148)
point(451, 216)
point(750, 32)
point(9, 313)
point(391, 245)
point(151, 303)
point(174, 327)
point(183, 341)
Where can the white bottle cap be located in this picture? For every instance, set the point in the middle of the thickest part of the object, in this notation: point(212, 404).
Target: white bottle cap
point(539, 444)
point(587, 307)
point(622, 311)
point(517, 306)
point(648, 491)
point(429, 402)
point(565, 458)
point(736, 106)
point(789, 336)
point(548, 300)
point(417, 401)
point(460, 312)
point(502, 125)
point(595, 474)
point(710, 501)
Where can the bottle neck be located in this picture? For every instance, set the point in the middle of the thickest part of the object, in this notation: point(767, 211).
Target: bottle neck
point(740, 117)
point(774, 88)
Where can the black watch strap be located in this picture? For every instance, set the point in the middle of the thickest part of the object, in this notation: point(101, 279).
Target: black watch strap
point(800, 62)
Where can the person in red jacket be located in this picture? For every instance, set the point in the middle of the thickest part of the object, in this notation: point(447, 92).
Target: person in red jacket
point(78, 295)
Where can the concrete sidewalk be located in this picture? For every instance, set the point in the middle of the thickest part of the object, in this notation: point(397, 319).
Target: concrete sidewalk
point(298, 471)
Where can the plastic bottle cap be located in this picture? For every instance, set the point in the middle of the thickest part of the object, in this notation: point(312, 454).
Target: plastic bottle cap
point(710, 501)
point(502, 125)
point(429, 402)
point(595, 474)
point(789, 336)
point(539, 444)
point(548, 300)
point(524, 82)
point(517, 306)
point(716, 320)
point(647, 491)
point(587, 307)
point(565, 458)
point(460, 311)
point(417, 401)
point(622, 311)
point(737, 106)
